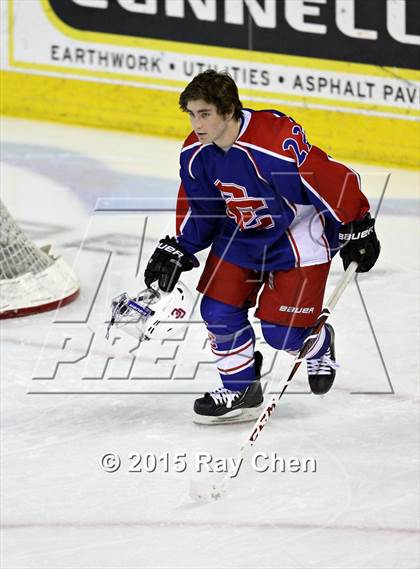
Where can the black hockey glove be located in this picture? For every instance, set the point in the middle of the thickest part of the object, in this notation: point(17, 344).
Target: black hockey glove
point(358, 242)
point(167, 263)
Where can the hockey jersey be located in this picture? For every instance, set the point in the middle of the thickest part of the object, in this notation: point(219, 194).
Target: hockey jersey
point(270, 202)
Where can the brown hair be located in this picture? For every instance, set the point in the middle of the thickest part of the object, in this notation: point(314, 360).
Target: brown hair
point(215, 88)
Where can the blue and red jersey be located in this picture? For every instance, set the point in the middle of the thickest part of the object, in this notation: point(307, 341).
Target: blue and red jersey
point(270, 202)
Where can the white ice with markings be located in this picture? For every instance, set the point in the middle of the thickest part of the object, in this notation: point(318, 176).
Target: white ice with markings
point(68, 396)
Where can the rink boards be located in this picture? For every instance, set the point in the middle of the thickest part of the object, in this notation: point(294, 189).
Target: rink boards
point(111, 80)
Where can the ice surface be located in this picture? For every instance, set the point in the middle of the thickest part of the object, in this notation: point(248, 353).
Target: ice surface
point(60, 509)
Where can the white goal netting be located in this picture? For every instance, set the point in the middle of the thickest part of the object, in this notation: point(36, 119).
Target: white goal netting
point(32, 279)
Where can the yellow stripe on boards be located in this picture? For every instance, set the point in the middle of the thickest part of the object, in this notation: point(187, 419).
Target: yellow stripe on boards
point(375, 140)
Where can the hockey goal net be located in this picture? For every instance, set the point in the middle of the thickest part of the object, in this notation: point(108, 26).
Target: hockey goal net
point(32, 279)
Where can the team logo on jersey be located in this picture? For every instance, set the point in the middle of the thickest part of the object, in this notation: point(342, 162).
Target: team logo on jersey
point(245, 210)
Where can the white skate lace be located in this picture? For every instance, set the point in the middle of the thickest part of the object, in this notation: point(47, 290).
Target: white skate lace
point(224, 396)
point(322, 365)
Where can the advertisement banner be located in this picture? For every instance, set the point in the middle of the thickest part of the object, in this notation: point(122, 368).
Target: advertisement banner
point(376, 32)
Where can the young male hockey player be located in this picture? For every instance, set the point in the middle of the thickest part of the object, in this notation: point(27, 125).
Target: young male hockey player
point(275, 209)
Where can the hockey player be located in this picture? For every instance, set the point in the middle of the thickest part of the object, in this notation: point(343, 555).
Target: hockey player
point(274, 209)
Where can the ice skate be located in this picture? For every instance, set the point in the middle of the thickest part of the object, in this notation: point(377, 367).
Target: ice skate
point(228, 406)
point(321, 371)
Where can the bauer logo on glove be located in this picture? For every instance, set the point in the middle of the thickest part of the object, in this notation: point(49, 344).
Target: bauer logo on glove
point(167, 263)
point(356, 236)
point(359, 243)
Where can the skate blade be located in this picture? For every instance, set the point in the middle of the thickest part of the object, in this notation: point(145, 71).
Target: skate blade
point(235, 416)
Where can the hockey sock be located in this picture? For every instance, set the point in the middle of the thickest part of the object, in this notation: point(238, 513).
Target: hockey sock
point(321, 345)
point(291, 339)
point(232, 341)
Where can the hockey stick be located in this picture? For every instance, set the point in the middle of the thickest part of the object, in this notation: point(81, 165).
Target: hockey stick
point(208, 492)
